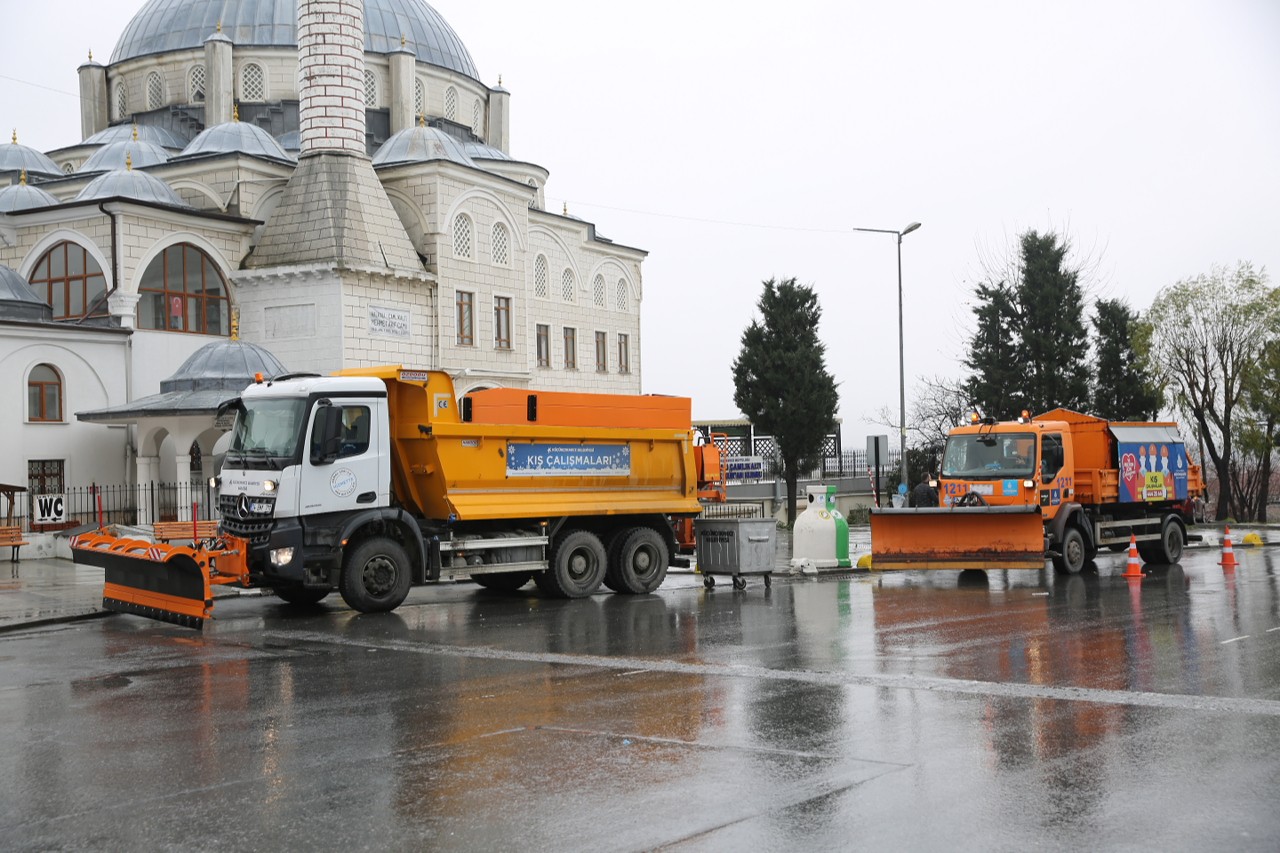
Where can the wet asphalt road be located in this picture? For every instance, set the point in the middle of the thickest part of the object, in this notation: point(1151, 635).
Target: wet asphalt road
point(913, 711)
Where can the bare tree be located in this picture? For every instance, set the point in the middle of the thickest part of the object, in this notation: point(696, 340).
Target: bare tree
point(1202, 338)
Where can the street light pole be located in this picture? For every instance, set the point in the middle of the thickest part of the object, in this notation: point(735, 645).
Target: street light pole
point(902, 374)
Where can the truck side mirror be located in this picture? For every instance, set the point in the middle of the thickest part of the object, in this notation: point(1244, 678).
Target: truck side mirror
point(326, 435)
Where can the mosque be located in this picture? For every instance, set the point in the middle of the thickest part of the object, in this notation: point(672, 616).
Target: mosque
point(265, 185)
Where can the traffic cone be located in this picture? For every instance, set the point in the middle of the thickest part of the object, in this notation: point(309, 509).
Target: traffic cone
point(1134, 569)
point(1228, 556)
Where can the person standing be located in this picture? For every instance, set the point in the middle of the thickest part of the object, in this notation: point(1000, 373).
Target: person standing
point(924, 495)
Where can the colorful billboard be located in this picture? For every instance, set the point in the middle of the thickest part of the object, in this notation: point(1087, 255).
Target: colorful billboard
point(1152, 471)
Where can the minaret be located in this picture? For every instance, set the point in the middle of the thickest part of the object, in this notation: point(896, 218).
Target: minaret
point(334, 211)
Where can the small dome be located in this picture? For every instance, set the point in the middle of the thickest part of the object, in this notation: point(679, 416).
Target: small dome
point(223, 365)
point(130, 183)
point(16, 158)
point(118, 155)
point(291, 141)
point(24, 197)
point(164, 26)
point(420, 145)
point(161, 136)
point(480, 151)
point(236, 137)
point(18, 301)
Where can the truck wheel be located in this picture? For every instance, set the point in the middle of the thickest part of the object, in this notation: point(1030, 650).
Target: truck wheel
point(300, 595)
point(503, 581)
point(1168, 549)
point(375, 576)
point(577, 566)
point(1071, 552)
point(640, 564)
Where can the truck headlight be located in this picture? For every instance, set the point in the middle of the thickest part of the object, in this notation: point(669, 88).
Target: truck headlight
point(269, 485)
point(281, 556)
point(1028, 484)
point(214, 482)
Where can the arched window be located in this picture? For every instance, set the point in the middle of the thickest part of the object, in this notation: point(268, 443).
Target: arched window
point(624, 297)
point(475, 118)
point(195, 84)
point(541, 280)
point(500, 244)
point(597, 291)
point(451, 103)
point(71, 282)
point(182, 290)
point(122, 101)
point(419, 99)
point(370, 88)
point(253, 83)
point(155, 91)
point(566, 285)
point(462, 236)
point(44, 394)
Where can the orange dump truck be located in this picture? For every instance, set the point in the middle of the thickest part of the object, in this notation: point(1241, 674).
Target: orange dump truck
point(372, 480)
point(1060, 485)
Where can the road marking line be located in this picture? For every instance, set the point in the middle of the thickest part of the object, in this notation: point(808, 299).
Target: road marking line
point(933, 684)
point(1269, 630)
point(1234, 640)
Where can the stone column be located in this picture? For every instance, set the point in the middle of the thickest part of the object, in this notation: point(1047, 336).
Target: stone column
point(219, 82)
point(182, 462)
point(124, 306)
point(94, 110)
point(402, 64)
point(331, 76)
point(147, 467)
point(498, 120)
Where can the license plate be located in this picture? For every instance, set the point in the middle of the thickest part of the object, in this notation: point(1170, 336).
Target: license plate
point(983, 488)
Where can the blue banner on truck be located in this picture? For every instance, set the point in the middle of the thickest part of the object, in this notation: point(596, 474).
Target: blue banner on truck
point(568, 460)
point(1152, 471)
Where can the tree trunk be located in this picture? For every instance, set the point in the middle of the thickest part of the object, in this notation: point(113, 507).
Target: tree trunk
point(1264, 488)
point(791, 476)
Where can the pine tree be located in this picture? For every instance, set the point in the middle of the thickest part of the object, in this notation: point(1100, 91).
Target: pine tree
point(1123, 390)
point(995, 380)
point(781, 381)
point(1054, 341)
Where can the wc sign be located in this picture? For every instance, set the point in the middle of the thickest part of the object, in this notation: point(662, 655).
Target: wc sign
point(50, 509)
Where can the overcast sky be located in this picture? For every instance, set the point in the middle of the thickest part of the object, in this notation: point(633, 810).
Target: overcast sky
point(737, 142)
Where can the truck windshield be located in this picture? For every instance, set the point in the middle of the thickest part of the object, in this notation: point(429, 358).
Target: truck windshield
point(266, 433)
point(989, 456)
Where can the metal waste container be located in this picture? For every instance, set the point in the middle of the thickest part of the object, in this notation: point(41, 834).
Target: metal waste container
point(735, 547)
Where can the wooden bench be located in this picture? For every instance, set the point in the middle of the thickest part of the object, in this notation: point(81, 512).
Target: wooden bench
point(168, 531)
point(12, 536)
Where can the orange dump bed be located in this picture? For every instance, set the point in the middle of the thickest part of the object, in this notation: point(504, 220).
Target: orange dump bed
point(569, 409)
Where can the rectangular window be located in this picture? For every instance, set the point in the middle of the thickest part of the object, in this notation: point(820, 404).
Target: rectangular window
point(45, 477)
point(502, 322)
point(466, 318)
point(602, 352)
point(544, 345)
point(570, 348)
point(624, 354)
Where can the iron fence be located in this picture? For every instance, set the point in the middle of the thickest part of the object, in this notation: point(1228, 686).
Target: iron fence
point(109, 504)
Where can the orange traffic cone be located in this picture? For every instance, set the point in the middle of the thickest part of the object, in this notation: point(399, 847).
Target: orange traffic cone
point(1134, 569)
point(1228, 556)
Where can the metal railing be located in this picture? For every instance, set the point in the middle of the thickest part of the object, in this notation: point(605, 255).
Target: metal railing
point(110, 504)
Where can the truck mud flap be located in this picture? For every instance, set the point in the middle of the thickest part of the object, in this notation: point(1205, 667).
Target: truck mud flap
point(165, 582)
point(997, 537)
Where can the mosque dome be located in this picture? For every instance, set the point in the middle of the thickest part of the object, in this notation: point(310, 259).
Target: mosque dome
point(419, 145)
point(15, 157)
point(237, 137)
point(291, 142)
point(161, 136)
point(23, 197)
point(164, 26)
point(18, 301)
point(130, 183)
point(481, 151)
point(228, 365)
point(120, 154)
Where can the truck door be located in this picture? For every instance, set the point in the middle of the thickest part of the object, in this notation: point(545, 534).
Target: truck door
point(1055, 476)
point(353, 479)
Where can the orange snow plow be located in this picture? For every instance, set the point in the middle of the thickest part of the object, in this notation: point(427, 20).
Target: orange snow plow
point(979, 537)
point(171, 583)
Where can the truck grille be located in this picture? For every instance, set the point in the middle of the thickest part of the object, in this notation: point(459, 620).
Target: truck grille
point(247, 518)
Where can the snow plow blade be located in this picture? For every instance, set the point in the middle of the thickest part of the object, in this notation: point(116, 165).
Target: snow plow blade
point(170, 583)
point(988, 537)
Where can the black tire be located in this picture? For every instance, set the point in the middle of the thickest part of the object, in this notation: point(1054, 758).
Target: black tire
point(301, 596)
point(1167, 550)
point(739, 582)
point(612, 548)
point(638, 565)
point(503, 581)
point(577, 566)
point(1071, 551)
point(375, 576)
